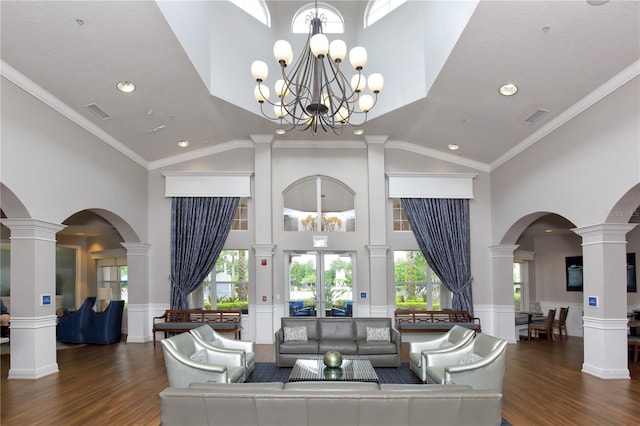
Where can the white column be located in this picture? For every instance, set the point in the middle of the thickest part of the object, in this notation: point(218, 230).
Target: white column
point(380, 298)
point(500, 320)
point(264, 320)
point(138, 318)
point(33, 272)
point(604, 253)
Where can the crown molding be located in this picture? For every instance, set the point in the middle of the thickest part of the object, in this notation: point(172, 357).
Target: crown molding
point(594, 97)
point(429, 152)
point(57, 105)
point(319, 143)
point(199, 153)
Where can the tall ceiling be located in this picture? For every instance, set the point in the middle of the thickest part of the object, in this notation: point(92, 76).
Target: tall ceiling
point(563, 55)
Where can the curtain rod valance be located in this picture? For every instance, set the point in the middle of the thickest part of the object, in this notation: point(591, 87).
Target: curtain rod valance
point(207, 184)
point(431, 185)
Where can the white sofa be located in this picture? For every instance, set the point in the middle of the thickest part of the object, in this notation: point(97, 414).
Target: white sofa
point(324, 403)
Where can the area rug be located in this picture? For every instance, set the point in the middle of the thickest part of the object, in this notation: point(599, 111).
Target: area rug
point(267, 372)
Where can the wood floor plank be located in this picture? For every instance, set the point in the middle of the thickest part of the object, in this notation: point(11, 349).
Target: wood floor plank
point(119, 384)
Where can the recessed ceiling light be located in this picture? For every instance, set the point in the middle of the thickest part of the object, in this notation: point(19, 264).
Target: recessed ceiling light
point(358, 132)
point(508, 89)
point(183, 144)
point(453, 147)
point(126, 86)
point(280, 131)
point(548, 231)
point(597, 2)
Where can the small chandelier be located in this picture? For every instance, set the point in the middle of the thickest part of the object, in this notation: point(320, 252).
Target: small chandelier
point(316, 94)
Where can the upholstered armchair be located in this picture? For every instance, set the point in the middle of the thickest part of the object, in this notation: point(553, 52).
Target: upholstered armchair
point(72, 324)
point(479, 364)
point(456, 337)
point(187, 361)
point(105, 327)
point(209, 338)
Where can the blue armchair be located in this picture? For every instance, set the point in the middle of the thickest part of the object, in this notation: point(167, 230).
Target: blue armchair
point(297, 309)
point(105, 327)
point(346, 312)
point(72, 324)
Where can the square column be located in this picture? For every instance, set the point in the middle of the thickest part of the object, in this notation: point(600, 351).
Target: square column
point(138, 316)
point(604, 251)
point(264, 292)
point(33, 272)
point(501, 321)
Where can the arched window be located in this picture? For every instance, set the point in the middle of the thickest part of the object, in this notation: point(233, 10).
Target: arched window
point(256, 8)
point(319, 204)
point(333, 22)
point(376, 9)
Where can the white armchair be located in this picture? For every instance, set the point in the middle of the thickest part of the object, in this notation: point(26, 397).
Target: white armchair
point(188, 362)
point(456, 337)
point(479, 364)
point(209, 338)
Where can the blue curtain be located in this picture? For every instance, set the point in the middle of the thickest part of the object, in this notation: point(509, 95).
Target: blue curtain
point(199, 228)
point(441, 227)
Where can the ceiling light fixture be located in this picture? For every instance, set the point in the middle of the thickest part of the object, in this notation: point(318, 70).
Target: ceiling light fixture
point(508, 89)
point(453, 147)
point(358, 132)
point(126, 86)
point(316, 94)
point(183, 144)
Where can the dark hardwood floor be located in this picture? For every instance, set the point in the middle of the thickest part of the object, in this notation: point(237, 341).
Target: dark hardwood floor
point(119, 384)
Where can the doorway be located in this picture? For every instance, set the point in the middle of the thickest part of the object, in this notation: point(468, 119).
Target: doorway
point(320, 283)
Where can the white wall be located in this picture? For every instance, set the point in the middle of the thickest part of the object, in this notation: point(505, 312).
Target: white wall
point(580, 171)
point(56, 169)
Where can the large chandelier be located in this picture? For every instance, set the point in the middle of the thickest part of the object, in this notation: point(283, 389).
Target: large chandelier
point(316, 94)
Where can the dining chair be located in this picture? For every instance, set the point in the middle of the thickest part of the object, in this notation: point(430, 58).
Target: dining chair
point(544, 327)
point(561, 322)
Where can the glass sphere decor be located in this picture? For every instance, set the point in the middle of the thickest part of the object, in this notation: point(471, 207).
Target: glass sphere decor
point(332, 359)
point(333, 373)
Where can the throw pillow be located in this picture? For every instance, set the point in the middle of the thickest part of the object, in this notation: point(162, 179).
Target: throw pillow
point(200, 356)
point(378, 334)
point(470, 357)
point(295, 334)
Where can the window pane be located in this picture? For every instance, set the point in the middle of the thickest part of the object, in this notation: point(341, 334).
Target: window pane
point(227, 287)
point(333, 22)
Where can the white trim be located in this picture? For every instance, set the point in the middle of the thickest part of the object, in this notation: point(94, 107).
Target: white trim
point(439, 155)
point(199, 153)
point(207, 184)
point(431, 185)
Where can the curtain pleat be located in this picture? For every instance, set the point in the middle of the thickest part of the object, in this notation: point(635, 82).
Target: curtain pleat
point(199, 229)
point(441, 227)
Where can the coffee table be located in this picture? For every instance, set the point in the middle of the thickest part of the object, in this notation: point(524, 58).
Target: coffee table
point(351, 370)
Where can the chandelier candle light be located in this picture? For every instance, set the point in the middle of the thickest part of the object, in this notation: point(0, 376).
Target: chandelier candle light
point(316, 94)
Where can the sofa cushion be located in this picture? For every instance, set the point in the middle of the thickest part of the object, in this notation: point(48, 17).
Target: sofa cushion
point(308, 347)
point(298, 334)
point(246, 387)
point(345, 347)
point(335, 329)
point(376, 348)
point(378, 334)
point(363, 323)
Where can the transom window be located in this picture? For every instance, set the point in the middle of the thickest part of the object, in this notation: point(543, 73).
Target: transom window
point(241, 216)
point(320, 204)
point(332, 19)
point(256, 8)
point(377, 9)
point(400, 219)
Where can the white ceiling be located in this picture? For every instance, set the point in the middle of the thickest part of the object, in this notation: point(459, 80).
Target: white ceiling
point(561, 69)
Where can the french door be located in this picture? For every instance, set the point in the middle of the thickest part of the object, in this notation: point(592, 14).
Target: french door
point(320, 283)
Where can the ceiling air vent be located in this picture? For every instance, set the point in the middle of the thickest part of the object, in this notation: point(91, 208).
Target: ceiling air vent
point(98, 111)
point(535, 116)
